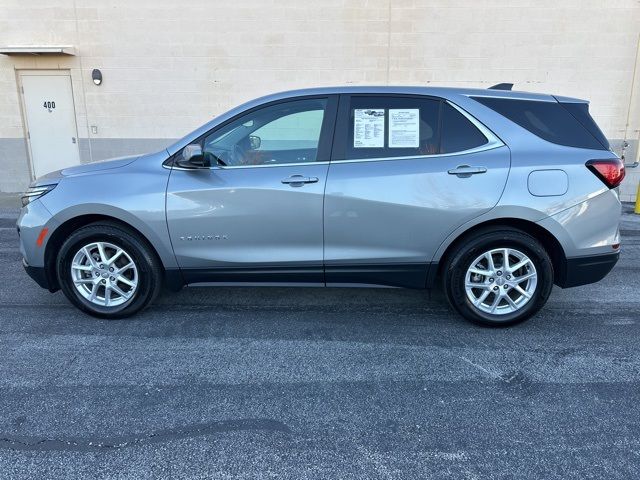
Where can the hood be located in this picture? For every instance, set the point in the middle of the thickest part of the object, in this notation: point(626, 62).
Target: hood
point(97, 166)
point(54, 177)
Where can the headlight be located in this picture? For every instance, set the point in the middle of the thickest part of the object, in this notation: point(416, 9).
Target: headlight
point(35, 192)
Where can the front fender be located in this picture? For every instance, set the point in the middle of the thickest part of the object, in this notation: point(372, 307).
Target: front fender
point(152, 227)
point(134, 194)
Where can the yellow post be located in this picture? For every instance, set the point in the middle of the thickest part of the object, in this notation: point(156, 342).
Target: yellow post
point(637, 210)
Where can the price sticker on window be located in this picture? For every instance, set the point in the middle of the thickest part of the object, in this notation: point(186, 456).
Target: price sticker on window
point(404, 128)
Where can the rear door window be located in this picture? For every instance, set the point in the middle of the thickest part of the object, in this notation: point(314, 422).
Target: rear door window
point(390, 126)
point(458, 133)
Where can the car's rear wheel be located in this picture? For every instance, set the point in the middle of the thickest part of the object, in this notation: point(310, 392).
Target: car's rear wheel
point(108, 271)
point(499, 276)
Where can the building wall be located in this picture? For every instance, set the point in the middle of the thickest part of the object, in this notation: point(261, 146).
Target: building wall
point(170, 66)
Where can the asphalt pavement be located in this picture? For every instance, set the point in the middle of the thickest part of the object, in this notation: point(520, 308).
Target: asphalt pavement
point(319, 383)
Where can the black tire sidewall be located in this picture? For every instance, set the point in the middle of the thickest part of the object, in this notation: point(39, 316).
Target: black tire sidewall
point(460, 261)
point(145, 263)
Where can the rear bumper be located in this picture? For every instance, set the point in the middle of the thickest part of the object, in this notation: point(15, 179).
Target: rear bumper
point(584, 270)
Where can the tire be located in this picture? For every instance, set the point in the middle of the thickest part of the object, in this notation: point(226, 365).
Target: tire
point(465, 281)
point(130, 287)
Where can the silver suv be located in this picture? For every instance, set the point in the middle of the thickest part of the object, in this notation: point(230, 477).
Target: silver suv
point(497, 195)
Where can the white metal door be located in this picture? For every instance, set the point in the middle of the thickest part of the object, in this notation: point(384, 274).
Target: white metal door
point(51, 121)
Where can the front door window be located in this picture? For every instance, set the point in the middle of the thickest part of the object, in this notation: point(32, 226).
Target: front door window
point(285, 133)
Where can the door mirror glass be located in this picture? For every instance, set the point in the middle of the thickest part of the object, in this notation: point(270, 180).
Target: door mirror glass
point(192, 157)
point(255, 142)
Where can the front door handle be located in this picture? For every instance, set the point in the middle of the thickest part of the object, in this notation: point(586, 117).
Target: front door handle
point(299, 180)
point(464, 171)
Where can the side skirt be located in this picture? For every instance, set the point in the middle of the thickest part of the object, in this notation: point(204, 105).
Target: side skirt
point(411, 275)
point(307, 274)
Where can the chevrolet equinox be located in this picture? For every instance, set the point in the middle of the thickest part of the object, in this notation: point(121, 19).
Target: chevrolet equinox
point(495, 194)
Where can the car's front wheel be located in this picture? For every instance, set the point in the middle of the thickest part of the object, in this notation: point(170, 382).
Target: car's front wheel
point(498, 277)
point(108, 271)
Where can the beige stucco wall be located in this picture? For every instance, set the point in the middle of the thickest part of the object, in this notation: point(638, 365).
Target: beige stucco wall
point(169, 66)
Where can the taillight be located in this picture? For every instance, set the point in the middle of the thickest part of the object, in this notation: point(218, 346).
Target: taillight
point(610, 171)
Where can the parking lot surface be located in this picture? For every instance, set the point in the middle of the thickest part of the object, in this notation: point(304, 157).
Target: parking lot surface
point(319, 383)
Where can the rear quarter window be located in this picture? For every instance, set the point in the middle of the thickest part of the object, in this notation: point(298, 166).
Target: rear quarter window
point(547, 120)
point(581, 112)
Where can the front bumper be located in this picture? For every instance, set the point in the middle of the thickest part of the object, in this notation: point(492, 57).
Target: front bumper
point(34, 218)
point(584, 270)
point(38, 274)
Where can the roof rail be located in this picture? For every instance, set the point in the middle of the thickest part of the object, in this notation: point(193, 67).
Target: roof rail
point(502, 86)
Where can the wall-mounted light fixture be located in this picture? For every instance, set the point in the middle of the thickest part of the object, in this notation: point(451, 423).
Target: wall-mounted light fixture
point(96, 75)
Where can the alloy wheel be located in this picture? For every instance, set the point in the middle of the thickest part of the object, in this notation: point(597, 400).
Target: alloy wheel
point(104, 274)
point(501, 281)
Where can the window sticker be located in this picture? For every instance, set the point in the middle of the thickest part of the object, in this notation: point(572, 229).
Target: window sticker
point(368, 128)
point(404, 128)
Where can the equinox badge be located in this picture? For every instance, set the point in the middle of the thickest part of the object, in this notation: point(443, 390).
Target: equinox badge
point(204, 237)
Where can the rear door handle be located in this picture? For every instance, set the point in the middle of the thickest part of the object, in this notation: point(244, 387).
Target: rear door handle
point(299, 180)
point(464, 171)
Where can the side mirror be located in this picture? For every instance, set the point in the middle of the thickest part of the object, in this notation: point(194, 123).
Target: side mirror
point(192, 157)
point(255, 142)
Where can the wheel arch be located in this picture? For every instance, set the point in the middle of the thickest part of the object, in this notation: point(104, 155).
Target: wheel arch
point(545, 237)
point(63, 231)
